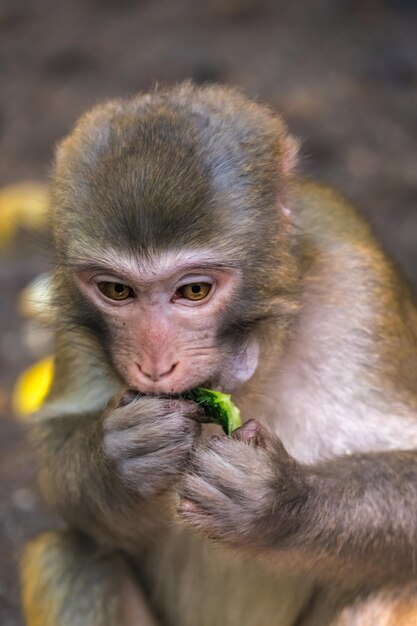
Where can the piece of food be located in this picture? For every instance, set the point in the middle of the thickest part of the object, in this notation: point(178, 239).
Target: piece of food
point(218, 407)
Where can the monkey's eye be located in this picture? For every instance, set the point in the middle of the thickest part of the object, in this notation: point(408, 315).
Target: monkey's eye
point(195, 291)
point(115, 291)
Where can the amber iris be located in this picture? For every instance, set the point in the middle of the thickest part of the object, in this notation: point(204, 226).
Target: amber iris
point(115, 291)
point(195, 291)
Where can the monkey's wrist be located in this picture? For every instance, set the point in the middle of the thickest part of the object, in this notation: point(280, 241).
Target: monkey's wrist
point(287, 513)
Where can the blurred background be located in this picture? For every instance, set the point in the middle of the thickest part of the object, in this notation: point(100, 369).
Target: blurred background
point(342, 72)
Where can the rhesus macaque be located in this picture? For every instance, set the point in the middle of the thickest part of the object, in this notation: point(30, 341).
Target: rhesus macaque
point(188, 253)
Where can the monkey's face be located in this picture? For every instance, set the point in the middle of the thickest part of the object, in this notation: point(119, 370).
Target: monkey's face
point(167, 209)
point(166, 319)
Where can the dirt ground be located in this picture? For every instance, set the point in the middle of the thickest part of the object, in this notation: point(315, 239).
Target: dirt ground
point(343, 73)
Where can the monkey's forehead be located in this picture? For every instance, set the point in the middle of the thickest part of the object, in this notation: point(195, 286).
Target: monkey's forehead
point(169, 168)
point(216, 111)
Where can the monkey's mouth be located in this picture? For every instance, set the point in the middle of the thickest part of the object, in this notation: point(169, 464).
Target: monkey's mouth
point(207, 384)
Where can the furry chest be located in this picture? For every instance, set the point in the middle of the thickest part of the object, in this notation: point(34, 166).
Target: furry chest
point(204, 585)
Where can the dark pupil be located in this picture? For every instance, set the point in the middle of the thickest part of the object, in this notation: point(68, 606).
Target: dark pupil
point(196, 288)
point(119, 288)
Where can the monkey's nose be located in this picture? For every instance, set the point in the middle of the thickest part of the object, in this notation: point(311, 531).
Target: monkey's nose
point(156, 375)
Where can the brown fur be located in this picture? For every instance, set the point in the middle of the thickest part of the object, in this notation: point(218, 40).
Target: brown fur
point(305, 514)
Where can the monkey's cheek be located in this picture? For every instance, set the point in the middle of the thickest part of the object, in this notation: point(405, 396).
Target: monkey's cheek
point(242, 368)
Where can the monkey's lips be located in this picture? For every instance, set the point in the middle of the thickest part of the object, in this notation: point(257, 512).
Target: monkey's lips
point(177, 390)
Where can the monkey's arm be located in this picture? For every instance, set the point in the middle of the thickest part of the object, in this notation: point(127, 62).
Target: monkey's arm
point(77, 480)
point(349, 514)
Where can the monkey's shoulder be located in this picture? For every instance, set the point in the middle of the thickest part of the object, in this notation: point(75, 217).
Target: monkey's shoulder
point(337, 238)
point(324, 214)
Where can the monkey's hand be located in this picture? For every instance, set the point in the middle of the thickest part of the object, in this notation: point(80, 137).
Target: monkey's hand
point(148, 440)
point(104, 472)
point(244, 490)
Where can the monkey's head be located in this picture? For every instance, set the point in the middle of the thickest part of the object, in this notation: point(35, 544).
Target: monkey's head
point(172, 242)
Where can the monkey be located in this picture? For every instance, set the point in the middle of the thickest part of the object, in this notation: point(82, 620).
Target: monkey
point(189, 251)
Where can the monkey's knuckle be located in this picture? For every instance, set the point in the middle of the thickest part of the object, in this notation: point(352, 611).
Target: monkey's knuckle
point(111, 450)
point(112, 446)
point(174, 404)
point(129, 470)
point(216, 444)
point(192, 410)
point(121, 443)
point(215, 461)
point(140, 409)
point(119, 419)
point(190, 431)
point(146, 475)
point(192, 490)
point(190, 485)
point(182, 434)
point(195, 464)
point(135, 481)
point(178, 455)
point(173, 408)
point(234, 451)
point(191, 516)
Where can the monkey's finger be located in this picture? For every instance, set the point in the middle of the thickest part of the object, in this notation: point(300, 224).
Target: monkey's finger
point(239, 471)
point(196, 497)
point(191, 409)
point(127, 397)
point(205, 509)
point(152, 473)
point(190, 513)
point(147, 410)
point(217, 458)
point(147, 436)
point(251, 432)
point(214, 459)
point(122, 398)
point(184, 505)
point(197, 489)
point(212, 473)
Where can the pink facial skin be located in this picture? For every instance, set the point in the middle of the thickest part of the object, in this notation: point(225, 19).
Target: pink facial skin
point(163, 342)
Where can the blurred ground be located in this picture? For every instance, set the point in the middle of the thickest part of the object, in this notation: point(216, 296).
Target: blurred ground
point(343, 72)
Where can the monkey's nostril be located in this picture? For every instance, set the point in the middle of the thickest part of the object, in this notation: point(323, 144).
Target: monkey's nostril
point(168, 372)
point(155, 375)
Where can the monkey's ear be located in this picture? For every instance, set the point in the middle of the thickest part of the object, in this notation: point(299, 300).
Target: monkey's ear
point(290, 155)
point(35, 299)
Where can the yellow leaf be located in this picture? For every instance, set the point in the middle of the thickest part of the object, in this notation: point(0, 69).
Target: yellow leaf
point(24, 204)
point(32, 387)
